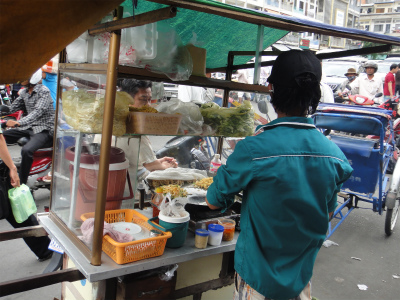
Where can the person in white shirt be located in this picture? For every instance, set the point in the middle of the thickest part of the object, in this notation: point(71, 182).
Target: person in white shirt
point(196, 94)
point(368, 84)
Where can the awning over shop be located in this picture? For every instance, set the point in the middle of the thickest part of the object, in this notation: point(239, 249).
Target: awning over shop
point(31, 35)
point(32, 32)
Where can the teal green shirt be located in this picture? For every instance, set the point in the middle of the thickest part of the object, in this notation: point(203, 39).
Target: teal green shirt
point(290, 174)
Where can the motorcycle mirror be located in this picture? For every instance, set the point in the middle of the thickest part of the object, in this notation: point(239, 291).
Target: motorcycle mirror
point(263, 107)
point(378, 95)
point(4, 109)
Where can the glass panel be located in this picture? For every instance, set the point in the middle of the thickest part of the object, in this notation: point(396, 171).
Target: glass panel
point(77, 151)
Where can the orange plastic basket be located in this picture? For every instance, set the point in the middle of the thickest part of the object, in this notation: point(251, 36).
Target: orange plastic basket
point(123, 253)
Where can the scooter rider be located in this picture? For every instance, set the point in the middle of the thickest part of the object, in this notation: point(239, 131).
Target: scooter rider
point(368, 84)
point(351, 76)
point(37, 124)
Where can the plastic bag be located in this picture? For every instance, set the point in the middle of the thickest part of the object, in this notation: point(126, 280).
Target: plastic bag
point(234, 121)
point(192, 120)
point(84, 111)
point(22, 203)
point(173, 208)
point(173, 58)
point(77, 50)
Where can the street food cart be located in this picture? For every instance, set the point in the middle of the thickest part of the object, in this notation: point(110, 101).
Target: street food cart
point(87, 271)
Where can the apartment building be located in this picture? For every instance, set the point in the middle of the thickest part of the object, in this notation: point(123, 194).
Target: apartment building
point(336, 12)
point(380, 16)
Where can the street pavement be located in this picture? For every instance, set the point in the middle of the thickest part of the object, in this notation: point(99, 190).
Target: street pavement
point(364, 256)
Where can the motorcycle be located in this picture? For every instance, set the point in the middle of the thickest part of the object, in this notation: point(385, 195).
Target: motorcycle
point(189, 152)
point(42, 158)
point(357, 99)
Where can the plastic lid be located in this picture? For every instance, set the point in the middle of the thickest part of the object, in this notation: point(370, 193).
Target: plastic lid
point(202, 232)
point(216, 227)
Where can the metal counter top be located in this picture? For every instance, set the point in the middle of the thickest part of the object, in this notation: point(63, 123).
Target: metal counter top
point(110, 269)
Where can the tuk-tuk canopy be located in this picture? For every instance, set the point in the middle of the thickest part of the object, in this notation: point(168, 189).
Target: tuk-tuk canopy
point(32, 35)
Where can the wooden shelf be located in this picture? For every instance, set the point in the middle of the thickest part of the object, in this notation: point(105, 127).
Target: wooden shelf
point(132, 72)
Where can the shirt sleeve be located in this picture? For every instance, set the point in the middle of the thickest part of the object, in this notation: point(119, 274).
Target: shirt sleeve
point(344, 174)
point(231, 178)
point(41, 108)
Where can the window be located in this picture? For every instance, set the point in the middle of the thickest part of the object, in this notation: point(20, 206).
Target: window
point(380, 10)
point(387, 29)
point(390, 10)
point(367, 27)
point(378, 28)
point(320, 5)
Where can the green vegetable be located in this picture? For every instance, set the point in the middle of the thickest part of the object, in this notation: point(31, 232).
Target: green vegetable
point(234, 121)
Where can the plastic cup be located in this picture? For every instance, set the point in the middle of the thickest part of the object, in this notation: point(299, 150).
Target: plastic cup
point(216, 231)
point(229, 228)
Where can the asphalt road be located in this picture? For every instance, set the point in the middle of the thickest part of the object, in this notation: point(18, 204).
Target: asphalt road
point(364, 255)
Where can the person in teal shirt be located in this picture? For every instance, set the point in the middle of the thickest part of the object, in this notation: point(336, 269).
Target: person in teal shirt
point(290, 174)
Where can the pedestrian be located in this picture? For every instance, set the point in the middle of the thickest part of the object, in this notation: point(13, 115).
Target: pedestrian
point(368, 84)
point(290, 174)
point(38, 245)
point(389, 86)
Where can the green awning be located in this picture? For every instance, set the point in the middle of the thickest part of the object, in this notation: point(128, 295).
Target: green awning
point(217, 34)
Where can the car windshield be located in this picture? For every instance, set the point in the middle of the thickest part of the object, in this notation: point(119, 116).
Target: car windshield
point(336, 70)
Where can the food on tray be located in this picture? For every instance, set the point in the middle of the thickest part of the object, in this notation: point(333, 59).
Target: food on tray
point(84, 111)
point(146, 109)
point(178, 176)
point(173, 189)
point(204, 183)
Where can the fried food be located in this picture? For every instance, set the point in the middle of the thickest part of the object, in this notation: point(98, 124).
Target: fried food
point(146, 109)
point(174, 190)
point(204, 183)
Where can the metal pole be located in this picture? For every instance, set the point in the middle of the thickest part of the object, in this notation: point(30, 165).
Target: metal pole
point(259, 48)
point(109, 103)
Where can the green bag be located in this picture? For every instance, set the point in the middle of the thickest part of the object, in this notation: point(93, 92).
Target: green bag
point(22, 203)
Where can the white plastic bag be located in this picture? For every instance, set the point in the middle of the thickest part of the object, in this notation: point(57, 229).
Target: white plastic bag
point(192, 120)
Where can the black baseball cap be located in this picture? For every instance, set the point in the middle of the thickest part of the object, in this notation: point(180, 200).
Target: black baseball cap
point(289, 65)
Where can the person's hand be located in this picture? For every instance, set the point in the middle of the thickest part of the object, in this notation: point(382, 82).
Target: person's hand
point(14, 177)
point(168, 162)
point(12, 123)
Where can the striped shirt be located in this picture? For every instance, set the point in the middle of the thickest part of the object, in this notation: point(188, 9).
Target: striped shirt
point(38, 107)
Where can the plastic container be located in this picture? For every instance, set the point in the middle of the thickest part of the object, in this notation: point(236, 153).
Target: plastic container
point(153, 123)
point(216, 232)
point(215, 164)
point(229, 228)
point(123, 253)
point(177, 226)
point(156, 201)
point(201, 238)
point(87, 181)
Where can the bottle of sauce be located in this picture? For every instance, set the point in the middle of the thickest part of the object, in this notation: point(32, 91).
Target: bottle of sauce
point(215, 164)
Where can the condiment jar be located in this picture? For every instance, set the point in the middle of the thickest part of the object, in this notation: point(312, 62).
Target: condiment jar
point(229, 228)
point(216, 232)
point(201, 238)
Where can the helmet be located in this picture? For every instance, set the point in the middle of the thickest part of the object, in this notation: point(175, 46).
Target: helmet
point(371, 64)
point(36, 77)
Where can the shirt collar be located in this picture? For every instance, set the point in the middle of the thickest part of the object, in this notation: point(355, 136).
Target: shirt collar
point(299, 121)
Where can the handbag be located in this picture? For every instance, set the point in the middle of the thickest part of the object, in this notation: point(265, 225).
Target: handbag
point(22, 203)
point(5, 185)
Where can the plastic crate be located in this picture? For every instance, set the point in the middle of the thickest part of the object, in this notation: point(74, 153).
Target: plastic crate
point(153, 123)
point(123, 253)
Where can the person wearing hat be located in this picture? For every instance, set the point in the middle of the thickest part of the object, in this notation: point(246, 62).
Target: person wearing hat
point(37, 123)
point(351, 75)
point(368, 84)
point(290, 174)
